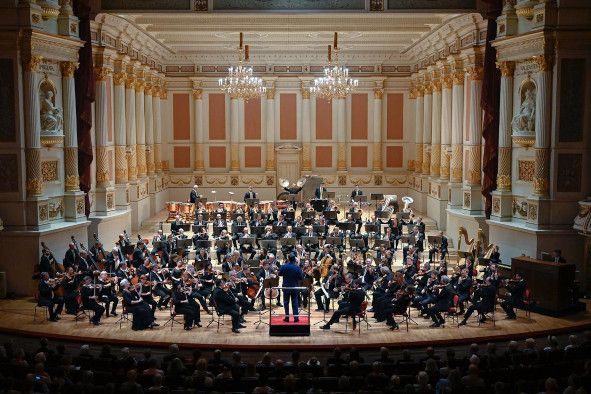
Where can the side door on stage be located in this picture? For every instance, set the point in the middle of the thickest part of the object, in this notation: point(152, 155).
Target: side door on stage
point(288, 164)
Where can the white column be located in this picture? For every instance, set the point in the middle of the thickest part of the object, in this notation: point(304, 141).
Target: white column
point(140, 128)
point(505, 115)
point(101, 126)
point(341, 136)
point(427, 108)
point(234, 134)
point(157, 129)
point(419, 110)
point(473, 173)
point(198, 123)
point(119, 123)
point(378, 94)
point(446, 125)
point(457, 127)
point(306, 128)
point(130, 132)
point(149, 122)
point(436, 129)
point(71, 179)
point(270, 137)
point(543, 125)
point(32, 127)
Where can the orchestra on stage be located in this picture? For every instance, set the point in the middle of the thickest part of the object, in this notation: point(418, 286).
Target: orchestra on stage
point(229, 259)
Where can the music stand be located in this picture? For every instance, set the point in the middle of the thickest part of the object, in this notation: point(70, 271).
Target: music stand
point(377, 243)
point(360, 198)
point(251, 201)
point(308, 215)
point(253, 263)
point(218, 229)
point(289, 241)
point(410, 227)
point(289, 216)
point(372, 228)
point(329, 194)
point(347, 226)
point(434, 240)
point(330, 215)
point(219, 243)
point(299, 230)
point(236, 214)
point(224, 215)
point(183, 244)
point(246, 240)
point(202, 243)
point(257, 230)
point(334, 241)
point(355, 215)
point(202, 200)
point(356, 243)
point(377, 197)
point(306, 240)
point(196, 228)
point(279, 230)
point(319, 228)
point(407, 239)
point(268, 244)
point(382, 214)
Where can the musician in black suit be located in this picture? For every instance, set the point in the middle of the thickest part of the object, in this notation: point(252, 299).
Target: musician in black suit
point(556, 256)
point(516, 288)
point(185, 305)
point(46, 262)
point(47, 298)
point(320, 192)
point(483, 301)
point(356, 192)
point(237, 229)
point(226, 304)
point(293, 189)
point(194, 196)
point(71, 257)
point(350, 305)
point(311, 248)
point(199, 220)
point(90, 297)
point(439, 248)
point(443, 296)
point(250, 194)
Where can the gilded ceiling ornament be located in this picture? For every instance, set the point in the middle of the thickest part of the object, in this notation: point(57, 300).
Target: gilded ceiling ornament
point(68, 69)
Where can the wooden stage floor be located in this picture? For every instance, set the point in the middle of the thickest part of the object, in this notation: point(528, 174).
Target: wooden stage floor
point(17, 319)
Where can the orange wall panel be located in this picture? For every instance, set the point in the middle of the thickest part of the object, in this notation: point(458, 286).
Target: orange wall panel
point(217, 157)
point(359, 156)
point(181, 116)
point(395, 116)
point(287, 117)
point(359, 116)
point(252, 156)
point(323, 119)
point(252, 119)
point(181, 156)
point(394, 158)
point(324, 156)
point(217, 116)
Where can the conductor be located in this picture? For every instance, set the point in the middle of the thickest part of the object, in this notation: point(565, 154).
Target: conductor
point(293, 189)
point(292, 275)
point(250, 194)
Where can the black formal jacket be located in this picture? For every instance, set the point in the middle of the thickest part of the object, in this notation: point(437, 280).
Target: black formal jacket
point(224, 300)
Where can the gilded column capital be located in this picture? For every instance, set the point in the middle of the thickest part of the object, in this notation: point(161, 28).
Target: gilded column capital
point(101, 73)
point(197, 93)
point(436, 85)
point(119, 78)
point(270, 93)
point(163, 94)
point(544, 62)
point(378, 93)
point(139, 85)
point(427, 88)
point(148, 89)
point(305, 92)
point(447, 81)
point(68, 69)
point(507, 68)
point(419, 91)
point(475, 73)
point(31, 62)
point(129, 81)
point(458, 77)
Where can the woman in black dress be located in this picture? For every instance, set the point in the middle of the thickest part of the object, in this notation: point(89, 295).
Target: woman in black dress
point(142, 314)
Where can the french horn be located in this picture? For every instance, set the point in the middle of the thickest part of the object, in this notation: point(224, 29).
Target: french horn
point(407, 200)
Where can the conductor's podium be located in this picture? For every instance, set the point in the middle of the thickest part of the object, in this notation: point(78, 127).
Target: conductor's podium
point(280, 328)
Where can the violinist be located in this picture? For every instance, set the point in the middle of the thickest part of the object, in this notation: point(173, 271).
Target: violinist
point(107, 292)
point(515, 288)
point(145, 291)
point(70, 283)
point(238, 288)
point(122, 272)
point(426, 294)
point(185, 305)
point(439, 248)
point(158, 278)
point(142, 316)
point(355, 262)
point(399, 305)
point(483, 301)
point(463, 287)
point(222, 249)
point(410, 270)
point(246, 247)
point(207, 278)
point(90, 299)
point(442, 302)
point(369, 275)
point(266, 272)
point(138, 254)
point(226, 304)
point(248, 283)
point(47, 298)
point(382, 297)
point(350, 305)
point(72, 256)
point(330, 285)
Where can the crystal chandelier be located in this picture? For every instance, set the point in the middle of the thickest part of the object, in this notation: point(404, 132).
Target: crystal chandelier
point(336, 82)
point(240, 83)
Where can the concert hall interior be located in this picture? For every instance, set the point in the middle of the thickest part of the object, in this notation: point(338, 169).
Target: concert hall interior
point(400, 174)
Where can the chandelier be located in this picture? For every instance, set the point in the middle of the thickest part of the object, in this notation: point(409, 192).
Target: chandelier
point(335, 83)
point(240, 83)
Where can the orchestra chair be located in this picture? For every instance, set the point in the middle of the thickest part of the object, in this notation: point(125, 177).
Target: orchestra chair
point(84, 313)
point(217, 317)
point(361, 315)
point(528, 302)
point(452, 311)
point(172, 317)
point(124, 314)
point(405, 317)
point(45, 312)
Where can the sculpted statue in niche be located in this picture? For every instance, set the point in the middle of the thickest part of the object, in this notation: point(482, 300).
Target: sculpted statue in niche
point(524, 121)
point(52, 120)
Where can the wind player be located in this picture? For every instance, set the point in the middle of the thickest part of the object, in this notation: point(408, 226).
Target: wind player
point(356, 192)
point(439, 248)
point(320, 191)
point(47, 298)
point(350, 305)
